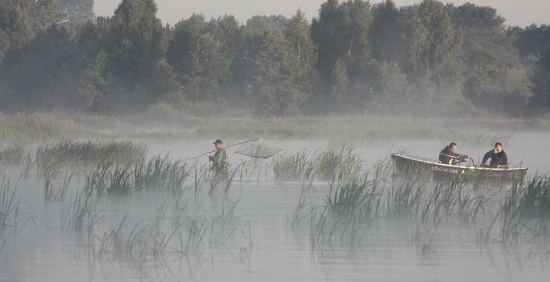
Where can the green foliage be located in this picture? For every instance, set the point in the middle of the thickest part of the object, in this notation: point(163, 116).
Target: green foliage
point(541, 80)
point(264, 23)
point(93, 86)
point(435, 45)
point(531, 40)
point(78, 11)
point(341, 33)
point(386, 34)
point(424, 59)
point(275, 79)
point(340, 82)
point(391, 92)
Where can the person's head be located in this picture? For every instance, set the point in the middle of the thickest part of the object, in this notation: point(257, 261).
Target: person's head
point(498, 146)
point(452, 146)
point(218, 144)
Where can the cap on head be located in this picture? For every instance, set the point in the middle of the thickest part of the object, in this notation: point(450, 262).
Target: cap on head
point(218, 141)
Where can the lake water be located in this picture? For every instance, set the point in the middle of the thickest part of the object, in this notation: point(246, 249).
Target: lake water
point(249, 234)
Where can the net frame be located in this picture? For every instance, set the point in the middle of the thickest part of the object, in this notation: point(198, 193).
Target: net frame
point(261, 150)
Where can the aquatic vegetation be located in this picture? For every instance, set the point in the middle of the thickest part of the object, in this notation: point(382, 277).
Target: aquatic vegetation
point(290, 167)
point(80, 212)
point(161, 174)
point(525, 211)
point(53, 192)
point(341, 164)
point(8, 207)
point(13, 154)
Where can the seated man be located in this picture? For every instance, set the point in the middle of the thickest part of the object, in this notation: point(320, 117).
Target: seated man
point(448, 155)
point(497, 155)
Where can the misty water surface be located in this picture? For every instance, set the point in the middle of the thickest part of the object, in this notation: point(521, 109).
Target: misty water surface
point(248, 236)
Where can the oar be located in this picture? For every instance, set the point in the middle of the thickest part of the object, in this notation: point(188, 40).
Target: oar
point(473, 162)
point(244, 142)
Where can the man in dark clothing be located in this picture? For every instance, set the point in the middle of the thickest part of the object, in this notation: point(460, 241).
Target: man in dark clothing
point(497, 155)
point(448, 155)
point(219, 159)
point(220, 162)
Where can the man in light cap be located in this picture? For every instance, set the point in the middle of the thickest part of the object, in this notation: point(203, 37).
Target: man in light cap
point(219, 159)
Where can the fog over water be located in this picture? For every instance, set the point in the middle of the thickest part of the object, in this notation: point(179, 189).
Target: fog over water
point(249, 233)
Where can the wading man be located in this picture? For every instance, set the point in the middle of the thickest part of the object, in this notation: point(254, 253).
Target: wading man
point(448, 155)
point(220, 163)
point(497, 155)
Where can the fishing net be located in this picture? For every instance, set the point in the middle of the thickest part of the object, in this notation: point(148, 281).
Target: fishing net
point(259, 151)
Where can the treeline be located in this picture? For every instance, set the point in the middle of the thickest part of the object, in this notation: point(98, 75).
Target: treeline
point(354, 57)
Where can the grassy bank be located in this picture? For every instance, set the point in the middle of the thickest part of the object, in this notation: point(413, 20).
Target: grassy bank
point(155, 127)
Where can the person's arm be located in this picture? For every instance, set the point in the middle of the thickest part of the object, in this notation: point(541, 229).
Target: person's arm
point(486, 157)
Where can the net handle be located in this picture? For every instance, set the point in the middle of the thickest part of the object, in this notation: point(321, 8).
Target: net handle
point(232, 145)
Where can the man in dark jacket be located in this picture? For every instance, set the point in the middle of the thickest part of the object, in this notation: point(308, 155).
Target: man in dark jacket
point(448, 155)
point(497, 155)
point(219, 159)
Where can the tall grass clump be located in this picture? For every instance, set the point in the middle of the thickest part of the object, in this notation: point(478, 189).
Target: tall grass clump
point(526, 210)
point(341, 164)
point(30, 128)
point(353, 197)
point(8, 207)
point(291, 167)
point(161, 174)
point(93, 151)
point(53, 192)
point(13, 154)
point(108, 178)
point(80, 212)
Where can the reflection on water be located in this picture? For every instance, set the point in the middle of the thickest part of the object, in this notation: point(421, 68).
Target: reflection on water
point(267, 232)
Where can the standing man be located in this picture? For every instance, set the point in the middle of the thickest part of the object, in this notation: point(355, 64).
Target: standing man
point(497, 155)
point(448, 155)
point(219, 159)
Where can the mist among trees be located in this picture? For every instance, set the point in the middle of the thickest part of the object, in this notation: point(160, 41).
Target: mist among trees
point(354, 57)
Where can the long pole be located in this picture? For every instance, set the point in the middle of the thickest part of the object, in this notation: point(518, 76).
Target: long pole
point(232, 145)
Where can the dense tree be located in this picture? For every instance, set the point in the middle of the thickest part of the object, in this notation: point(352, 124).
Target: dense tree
point(138, 42)
point(435, 45)
point(386, 33)
point(341, 33)
point(78, 11)
point(391, 92)
point(494, 76)
point(298, 32)
point(202, 54)
point(184, 36)
point(530, 40)
point(274, 82)
point(340, 82)
point(422, 59)
point(207, 67)
point(541, 80)
point(37, 75)
point(93, 87)
point(265, 23)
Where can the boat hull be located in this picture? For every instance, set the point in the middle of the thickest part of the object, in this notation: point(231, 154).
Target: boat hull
point(427, 169)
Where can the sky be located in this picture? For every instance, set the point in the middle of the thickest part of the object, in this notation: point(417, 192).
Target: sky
point(172, 11)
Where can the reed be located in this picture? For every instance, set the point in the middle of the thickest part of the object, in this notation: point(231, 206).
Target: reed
point(80, 212)
point(53, 192)
point(8, 206)
point(291, 167)
point(353, 197)
point(161, 174)
point(13, 154)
